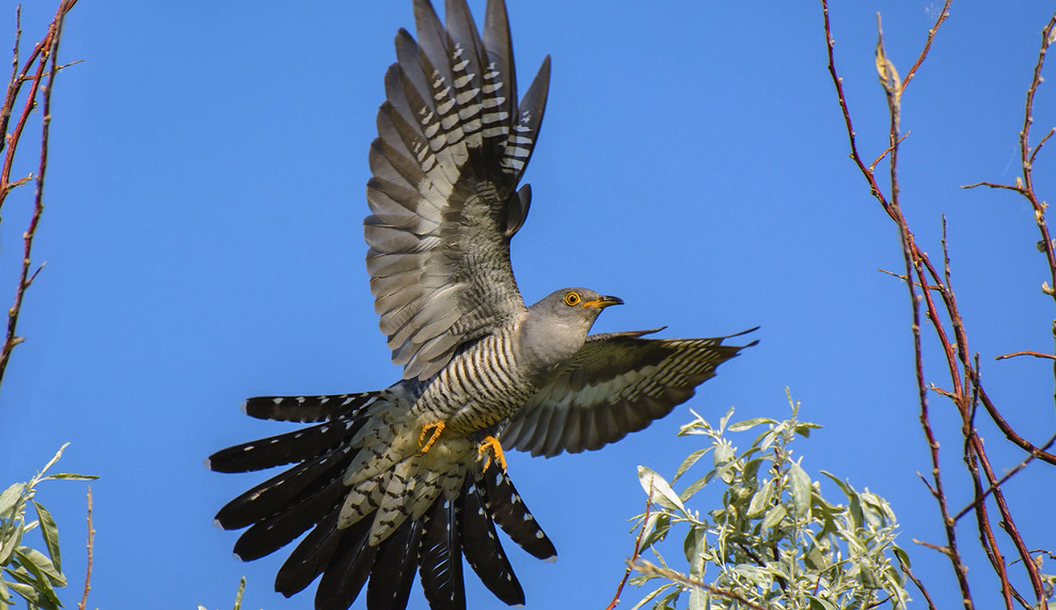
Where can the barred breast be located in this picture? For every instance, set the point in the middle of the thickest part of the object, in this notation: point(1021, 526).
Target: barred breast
point(480, 386)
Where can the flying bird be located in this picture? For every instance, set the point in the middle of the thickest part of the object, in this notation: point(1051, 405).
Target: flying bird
point(412, 478)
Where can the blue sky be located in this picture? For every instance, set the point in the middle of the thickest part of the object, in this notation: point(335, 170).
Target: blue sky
point(204, 244)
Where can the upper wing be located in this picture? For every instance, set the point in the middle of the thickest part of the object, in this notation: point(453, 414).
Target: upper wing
point(618, 383)
point(452, 145)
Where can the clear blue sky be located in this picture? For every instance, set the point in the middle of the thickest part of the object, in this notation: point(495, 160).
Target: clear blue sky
point(204, 244)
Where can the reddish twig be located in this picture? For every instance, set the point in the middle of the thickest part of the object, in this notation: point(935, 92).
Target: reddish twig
point(91, 542)
point(1002, 480)
point(1025, 353)
point(46, 49)
point(893, 89)
point(916, 581)
point(927, 44)
point(637, 549)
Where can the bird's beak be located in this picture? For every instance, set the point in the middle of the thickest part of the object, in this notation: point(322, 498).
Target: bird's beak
point(603, 302)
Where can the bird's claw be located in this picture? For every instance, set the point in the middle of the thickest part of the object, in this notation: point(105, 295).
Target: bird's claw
point(492, 447)
point(436, 428)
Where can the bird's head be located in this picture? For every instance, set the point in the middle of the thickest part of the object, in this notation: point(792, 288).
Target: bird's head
point(574, 308)
point(557, 325)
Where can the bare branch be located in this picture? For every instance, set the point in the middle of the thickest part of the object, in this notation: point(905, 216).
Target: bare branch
point(91, 542)
point(1025, 353)
point(637, 549)
point(46, 49)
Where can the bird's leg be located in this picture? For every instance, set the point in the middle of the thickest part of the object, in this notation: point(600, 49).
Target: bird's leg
point(436, 428)
point(491, 443)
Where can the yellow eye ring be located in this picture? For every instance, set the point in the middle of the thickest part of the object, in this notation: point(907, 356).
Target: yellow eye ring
point(572, 299)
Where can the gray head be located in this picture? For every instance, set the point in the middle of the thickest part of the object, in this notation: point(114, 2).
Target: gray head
point(573, 306)
point(558, 324)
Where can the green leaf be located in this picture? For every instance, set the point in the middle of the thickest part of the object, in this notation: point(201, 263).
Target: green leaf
point(649, 598)
point(750, 423)
point(7, 547)
point(693, 545)
point(800, 481)
point(724, 452)
point(5, 595)
point(42, 564)
point(26, 591)
point(774, 516)
point(757, 575)
point(655, 530)
point(751, 468)
point(698, 599)
point(689, 461)
point(50, 531)
point(761, 500)
point(9, 498)
point(697, 485)
point(241, 590)
point(803, 428)
point(650, 480)
point(814, 558)
point(817, 603)
point(39, 589)
point(69, 476)
point(670, 600)
point(902, 555)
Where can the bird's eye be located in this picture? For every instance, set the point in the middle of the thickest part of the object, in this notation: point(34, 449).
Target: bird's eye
point(572, 298)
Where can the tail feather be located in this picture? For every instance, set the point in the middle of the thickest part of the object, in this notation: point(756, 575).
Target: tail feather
point(267, 536)
point(286, 448)
point(279, 493)
point(508, 510)
point(312, 555)
point(420, 514)
point(347, 571)
point(307, 409)
point(482, 549)
point(394, 568)
point(440, 558)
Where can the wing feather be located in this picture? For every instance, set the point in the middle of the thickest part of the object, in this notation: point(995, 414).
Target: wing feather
point(452, 146)
point(618, 383)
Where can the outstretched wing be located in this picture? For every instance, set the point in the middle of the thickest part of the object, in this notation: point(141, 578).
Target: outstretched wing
point(452, 145)
point(618, 383)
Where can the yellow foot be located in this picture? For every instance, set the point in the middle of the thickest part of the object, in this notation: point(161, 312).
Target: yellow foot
point(492, 447)
point(436, 428)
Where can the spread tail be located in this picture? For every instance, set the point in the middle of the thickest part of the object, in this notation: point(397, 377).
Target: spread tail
point(431, 539)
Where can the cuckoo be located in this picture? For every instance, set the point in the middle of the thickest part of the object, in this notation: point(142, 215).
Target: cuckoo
point(410, 479)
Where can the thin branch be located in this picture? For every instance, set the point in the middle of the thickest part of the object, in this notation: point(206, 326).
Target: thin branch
point(1037, 148)
point(916, 581)
point(637, 549)
point(45, 49)
point(1006, 429)
point(648, 569)
point(1027, 157)
point(872, 167)
point(1025, 353)
point(927, 44)
point(1002, 480)
point(91, 542)
point(995, 185)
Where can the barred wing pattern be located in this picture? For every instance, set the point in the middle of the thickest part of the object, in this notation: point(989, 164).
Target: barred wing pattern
point(452, 145)
point(618, 383)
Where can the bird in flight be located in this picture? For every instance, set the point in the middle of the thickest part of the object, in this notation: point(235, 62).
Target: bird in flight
point(410, 479)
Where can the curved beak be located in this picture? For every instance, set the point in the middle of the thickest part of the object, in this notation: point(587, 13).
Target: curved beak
point(603, 301)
